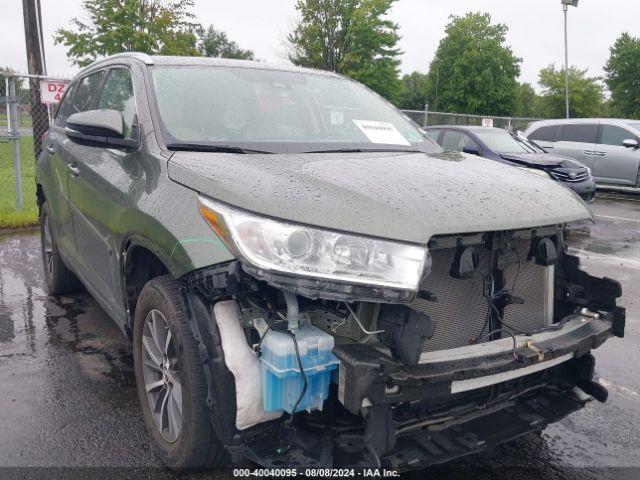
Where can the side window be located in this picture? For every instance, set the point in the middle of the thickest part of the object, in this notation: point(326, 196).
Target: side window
point(117, 94)
point(63, 110)
point(545, 134)
point(86, 93)
point(612, 135)
point(434, 134)
point(580, 132)
point(457, 141)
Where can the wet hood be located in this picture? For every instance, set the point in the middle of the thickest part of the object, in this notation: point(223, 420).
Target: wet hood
point(541, 160)
point(401, 196)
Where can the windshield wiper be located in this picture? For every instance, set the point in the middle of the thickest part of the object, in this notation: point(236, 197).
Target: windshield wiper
point(204, 147)
point(361, 150)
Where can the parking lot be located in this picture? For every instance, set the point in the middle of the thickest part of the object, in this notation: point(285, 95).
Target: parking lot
point(68, 393)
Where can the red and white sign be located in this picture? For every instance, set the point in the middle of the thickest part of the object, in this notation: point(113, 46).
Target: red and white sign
point(487, 122)
point(51, 91)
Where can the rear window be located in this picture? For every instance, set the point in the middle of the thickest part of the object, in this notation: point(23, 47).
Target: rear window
point(546, 134)
point(581, 133)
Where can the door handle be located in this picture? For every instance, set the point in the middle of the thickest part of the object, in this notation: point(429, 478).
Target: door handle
point(73, 168)
point(51, 149)
point(592, 153)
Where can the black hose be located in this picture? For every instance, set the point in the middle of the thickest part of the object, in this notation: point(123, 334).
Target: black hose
point(374, 454)
point(304, 378)
point(259, 345)
point(513, 337)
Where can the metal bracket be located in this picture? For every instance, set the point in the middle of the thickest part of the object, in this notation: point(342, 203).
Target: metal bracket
point(536, 350)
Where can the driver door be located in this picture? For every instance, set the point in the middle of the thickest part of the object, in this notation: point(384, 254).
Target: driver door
point(99, 195)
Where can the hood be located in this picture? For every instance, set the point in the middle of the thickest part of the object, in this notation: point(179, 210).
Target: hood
point(541, 160)
point(401, 196)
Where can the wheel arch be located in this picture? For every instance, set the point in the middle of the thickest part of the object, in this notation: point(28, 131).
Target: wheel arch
point(40, 197)
point(141, 261)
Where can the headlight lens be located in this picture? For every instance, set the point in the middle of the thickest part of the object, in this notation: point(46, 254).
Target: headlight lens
point(311, 252)
point(541, 173)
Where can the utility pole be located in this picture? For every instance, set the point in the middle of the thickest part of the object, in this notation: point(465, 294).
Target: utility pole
point(566, 59)
point(36, 64)
point(565, 8)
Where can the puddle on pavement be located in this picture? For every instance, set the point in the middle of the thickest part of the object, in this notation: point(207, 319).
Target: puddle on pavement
point(607, 237)
point(34, 324)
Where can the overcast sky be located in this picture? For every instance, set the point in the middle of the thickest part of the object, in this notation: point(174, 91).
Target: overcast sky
point(535, 29)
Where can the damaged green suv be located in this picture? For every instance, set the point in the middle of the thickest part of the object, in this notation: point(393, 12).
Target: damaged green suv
point(306, 278)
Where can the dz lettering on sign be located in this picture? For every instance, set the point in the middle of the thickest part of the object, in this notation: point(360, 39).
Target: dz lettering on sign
point(51, 92)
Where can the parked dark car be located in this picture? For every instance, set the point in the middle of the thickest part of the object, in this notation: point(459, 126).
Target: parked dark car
point(307, 279)
point(507, 147)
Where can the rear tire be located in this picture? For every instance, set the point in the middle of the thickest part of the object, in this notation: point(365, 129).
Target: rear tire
point(160, 321)
point(58, 278)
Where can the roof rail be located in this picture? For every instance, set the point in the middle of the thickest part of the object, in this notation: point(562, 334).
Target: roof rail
point(143, 57)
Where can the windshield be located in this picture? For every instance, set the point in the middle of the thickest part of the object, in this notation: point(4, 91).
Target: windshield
point(501, 141)
point(277, 111)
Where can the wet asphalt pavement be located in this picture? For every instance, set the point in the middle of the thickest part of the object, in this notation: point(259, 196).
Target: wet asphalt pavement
point(68, 393)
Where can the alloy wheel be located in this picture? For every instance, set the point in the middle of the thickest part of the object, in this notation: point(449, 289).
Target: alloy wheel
point(161, 372)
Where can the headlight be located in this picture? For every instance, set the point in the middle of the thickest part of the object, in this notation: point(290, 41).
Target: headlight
point(588, 171)
point(299, 250)
point(541, 173)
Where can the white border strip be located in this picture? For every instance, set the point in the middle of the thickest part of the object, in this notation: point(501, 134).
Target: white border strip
point(502, 345)
point(459, 386)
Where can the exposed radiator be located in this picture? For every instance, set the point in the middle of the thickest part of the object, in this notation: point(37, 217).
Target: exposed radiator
point(460, 311)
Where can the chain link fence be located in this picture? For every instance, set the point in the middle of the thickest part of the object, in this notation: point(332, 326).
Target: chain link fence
point(426, 118)
point(24, 119)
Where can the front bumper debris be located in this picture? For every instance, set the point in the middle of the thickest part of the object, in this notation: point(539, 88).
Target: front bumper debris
point(480, 432)
point(372, 375)
point(433, 421)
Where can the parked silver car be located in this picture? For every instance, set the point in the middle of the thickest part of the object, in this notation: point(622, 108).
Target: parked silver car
point(610, 147)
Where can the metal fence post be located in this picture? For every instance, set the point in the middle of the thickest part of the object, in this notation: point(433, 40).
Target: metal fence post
point(426, 115)
point(12, 101)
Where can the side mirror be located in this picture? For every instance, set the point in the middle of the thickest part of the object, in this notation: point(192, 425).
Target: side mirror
point(630, 143)
point(104, 128)
point(472, 151)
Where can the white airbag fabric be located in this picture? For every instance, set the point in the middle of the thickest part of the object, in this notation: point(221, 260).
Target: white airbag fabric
point(245, 366)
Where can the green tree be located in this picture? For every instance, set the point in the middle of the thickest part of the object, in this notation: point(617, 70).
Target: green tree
point(413, 91)
point(114, 26)
point(527, 102)
point(352, 37)
point(622, 76)
point(585, 93)
point(473, 70)
point(216, 43)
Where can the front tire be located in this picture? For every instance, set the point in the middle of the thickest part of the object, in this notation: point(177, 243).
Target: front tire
point(58, 278)
point(170, 379)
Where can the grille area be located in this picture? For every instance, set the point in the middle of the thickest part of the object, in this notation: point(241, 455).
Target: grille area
point(461, 309)
point(563, 176)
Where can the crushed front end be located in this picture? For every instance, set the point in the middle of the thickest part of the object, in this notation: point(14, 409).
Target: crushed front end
point(495, 343)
